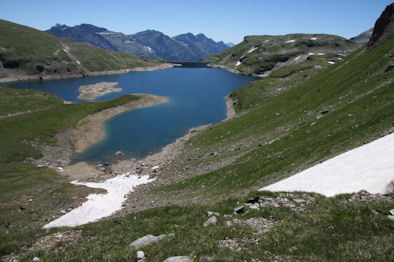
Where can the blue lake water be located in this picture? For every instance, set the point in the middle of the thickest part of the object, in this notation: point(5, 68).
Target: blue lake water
point(197, 97)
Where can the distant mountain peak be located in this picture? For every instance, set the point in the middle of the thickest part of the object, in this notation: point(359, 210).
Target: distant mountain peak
point(150, 43)
point(363, 37)
point(60, 27)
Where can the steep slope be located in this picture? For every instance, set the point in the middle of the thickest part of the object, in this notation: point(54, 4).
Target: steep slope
point(363, 37)
point(83, 33)
point(27, 52)
point(345, 106)
point(384, 27)
point(260, 55)
point(164, 46)
point(283, 132)
point(149, 43)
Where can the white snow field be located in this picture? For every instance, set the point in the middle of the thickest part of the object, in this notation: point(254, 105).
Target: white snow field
point(101, 205)
point(369, 167)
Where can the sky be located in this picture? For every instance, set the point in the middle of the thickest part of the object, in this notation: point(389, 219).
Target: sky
point(222, 20)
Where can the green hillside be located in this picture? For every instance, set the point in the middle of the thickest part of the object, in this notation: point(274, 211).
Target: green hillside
point(300, 115)
point(262, 54)
point(24, 50)
point(345, 106)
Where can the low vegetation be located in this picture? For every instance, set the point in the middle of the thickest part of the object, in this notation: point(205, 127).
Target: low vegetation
point(263, 54)
point(33, 52)
point(31, 195)
point(300, 115)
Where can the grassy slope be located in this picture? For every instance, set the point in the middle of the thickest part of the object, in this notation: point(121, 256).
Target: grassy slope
point(36, 52)
point(359, 96)
point(333, 229)
point(20, 220)
point(273, 49)
point(291, 130)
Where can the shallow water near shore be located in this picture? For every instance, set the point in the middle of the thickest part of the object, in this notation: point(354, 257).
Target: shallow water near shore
point(196, 97)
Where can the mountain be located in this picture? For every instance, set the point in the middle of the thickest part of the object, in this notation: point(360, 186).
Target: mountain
point(83, 32)
point(25, 51)
point(149, 43)
point(363, 37)
point(384, 27)
point(201, 45)
point(260, 55)
point(229, 44)
point(278, 132)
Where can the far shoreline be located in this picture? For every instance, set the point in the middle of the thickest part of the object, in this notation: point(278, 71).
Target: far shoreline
point(23, 77)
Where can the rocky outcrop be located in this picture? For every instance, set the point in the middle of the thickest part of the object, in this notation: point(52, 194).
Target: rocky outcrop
point(384, 28)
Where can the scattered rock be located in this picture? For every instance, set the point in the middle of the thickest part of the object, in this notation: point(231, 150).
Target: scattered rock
point(211, 221)
point(35, 259)
point(140, 254)
point(239, 209)
point(255, 206)
point(253, 200)
point(293, 250)
point(155, 168)
point(364, 196)
point(206, 259)
point(179, 259)
point(119, 153)
point(146, 240)
point(210, 213)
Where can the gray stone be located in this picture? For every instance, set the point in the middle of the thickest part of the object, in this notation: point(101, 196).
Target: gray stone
point(146, 240)
point(253, 200)
point(293, 250)
point(179, 259)
point(140, 254)
point(392, 212)
point(239, 209)
point(36, 259)
point(119, 153)
point(211, 221)
point(254, 206)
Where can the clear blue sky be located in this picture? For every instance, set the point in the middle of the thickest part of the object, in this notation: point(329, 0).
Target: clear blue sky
point(227, 20)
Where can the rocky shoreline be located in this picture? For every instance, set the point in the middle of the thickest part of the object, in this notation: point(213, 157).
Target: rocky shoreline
point(87, 132)
point(91, 92)
point(20, 76)
point(235, 71)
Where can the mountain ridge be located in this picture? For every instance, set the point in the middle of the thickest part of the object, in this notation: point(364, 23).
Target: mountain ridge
point(150, 43)
point(27, 53)
point(262, 54)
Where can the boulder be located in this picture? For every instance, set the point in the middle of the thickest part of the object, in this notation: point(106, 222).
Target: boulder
point(140, 254)
point(119, 153)
point(239, 209)
point(211, 221)
point(146, 240)
point(179, 259)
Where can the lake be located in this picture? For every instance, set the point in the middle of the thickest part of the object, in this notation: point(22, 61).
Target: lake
point(196, 97)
